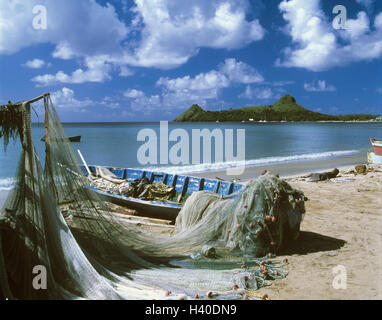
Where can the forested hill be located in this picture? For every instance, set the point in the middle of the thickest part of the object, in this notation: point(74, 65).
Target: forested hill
point(285, 109)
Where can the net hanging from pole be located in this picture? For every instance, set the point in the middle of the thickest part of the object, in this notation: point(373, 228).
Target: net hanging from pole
point(96, 255)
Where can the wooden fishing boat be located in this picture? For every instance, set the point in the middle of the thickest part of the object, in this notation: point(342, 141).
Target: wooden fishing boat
point(71, 139)
point(377, 146)
point(184, 186)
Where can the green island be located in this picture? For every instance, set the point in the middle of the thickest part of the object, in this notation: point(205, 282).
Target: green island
point(285, 109)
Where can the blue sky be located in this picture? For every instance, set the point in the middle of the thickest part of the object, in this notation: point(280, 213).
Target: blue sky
point(149, 60)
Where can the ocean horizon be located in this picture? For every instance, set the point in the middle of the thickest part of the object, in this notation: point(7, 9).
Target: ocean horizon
point(115, 144)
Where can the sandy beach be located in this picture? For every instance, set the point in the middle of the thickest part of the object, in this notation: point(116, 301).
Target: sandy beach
point(342, 227)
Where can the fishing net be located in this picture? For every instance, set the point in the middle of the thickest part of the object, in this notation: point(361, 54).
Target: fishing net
point(52, 218)
point(105, 180)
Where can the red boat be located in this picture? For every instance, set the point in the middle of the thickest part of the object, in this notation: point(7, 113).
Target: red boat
point(377, 146)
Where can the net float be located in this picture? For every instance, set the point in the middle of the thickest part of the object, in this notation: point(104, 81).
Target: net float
point(268, 218)
point(269, 255)
point(167, 293)
point(262, 263)
point(228, 230)
point(273, 243)
point(245, 206)
point(265, 272)
point(234, 287)
point(245, 297)
point(181, 298)
point(285, 260)
point(264, 296)
point(275, 272)
point(238, 225)
point(209, 294)
point(251, 225)
point(196, 296)
point(230, 238)
point(273, 219)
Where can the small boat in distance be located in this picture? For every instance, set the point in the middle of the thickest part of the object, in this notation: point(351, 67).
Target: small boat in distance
point(377, 146)
point(71, 139)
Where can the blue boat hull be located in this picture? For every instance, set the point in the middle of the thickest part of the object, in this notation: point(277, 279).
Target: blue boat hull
point(184, 186)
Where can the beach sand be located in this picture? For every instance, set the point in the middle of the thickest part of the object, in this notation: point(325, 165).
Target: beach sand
point(342, 227)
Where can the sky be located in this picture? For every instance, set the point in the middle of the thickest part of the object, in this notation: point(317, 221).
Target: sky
point(150, 60)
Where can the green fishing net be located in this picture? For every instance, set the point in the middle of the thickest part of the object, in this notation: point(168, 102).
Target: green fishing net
point(221, 247)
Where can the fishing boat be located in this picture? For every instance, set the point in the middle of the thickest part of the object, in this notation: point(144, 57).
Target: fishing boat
point(71, 139)
point(184, 186)
point(377, 146)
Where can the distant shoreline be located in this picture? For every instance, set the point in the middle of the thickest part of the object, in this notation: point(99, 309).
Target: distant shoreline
point(171, 121)
point(288, 169)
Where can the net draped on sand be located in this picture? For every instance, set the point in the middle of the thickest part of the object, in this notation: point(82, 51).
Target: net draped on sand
point(215, 246)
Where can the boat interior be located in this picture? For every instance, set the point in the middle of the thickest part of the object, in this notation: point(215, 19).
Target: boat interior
point(184, 185)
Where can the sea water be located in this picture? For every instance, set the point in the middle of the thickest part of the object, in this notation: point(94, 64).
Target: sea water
point(115, 144)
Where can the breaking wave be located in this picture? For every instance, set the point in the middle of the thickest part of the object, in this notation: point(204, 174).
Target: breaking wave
point(219, 166)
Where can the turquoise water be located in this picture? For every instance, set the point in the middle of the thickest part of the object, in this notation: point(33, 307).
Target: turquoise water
point(115, 144)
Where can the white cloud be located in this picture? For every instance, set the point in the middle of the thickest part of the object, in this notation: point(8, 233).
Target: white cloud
point(264, 93)
point(77, 28)
point(318, 46)
point(319, 86)
point(162, 33)
point(133, 93)
point(64, 98)
point(204, 88)
point(379, 90)
point(110, 103)
point(146, 104)
point(282, 83)
point(203, 81)
point(125, 72)
point(34, 64)
point(98, 70)
point(172, 32)
point(240, 72)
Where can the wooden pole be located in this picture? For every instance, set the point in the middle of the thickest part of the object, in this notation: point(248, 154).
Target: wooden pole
point(38, 98)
